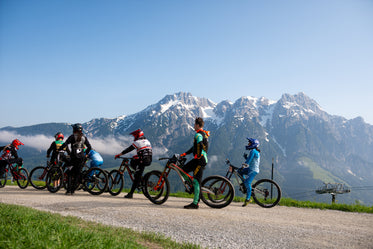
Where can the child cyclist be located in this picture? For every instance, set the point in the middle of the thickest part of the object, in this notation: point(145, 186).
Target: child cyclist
point(9, 155)
point(251, 166)
point(54, 148)
point(199, 161)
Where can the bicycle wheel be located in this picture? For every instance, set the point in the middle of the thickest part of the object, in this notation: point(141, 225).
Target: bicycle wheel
point(3, 178)
point(55, 179)
point(115, 182)
point(217, 191)
point(22, 178)
point(156, 190)
point(95, 181)
point(266, 193)
point(37, 178)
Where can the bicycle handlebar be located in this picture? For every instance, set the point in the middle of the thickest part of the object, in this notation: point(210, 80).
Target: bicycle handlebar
point(164, 158)
point(230, 165)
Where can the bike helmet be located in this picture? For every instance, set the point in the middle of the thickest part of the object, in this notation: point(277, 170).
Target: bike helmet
point(253, 143)
point(77, 127)
point(58, 136)
point(16, 143)
point(137, 134)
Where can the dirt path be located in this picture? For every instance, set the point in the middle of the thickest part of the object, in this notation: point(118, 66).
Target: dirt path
point(231, 227)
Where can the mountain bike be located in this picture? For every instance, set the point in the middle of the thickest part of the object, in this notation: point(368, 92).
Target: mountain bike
point(19, 174)
point(157, 186)
point(38, 175)
point(265, 192)
point(116, 177)
point(94, 180)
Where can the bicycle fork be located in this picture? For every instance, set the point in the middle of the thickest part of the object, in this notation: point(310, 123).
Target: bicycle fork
point(161, 180)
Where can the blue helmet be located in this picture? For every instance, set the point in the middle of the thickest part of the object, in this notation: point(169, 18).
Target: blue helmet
point(253, 143)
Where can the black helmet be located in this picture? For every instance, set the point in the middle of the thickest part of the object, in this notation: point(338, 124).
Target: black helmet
point(77, 127)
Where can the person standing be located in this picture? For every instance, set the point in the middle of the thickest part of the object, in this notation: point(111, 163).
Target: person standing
point(142, 159)
point(78, 156)
point(251, 166)
point(199, 161)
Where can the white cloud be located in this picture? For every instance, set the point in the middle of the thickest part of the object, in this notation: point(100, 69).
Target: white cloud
point(212, 161)
point(107, 146)
point(40, 142)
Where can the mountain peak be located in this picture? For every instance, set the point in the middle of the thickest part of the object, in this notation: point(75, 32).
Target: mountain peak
point(300, 100)
point(186, 99)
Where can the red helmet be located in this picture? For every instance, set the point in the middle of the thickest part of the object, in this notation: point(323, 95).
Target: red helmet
point(58, 136)
point(16, 143)
point(137, 134)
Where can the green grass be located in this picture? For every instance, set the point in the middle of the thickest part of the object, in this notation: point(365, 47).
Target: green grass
point(317, 171)
point(335, 206)
point(23, 227)
point(288, 202)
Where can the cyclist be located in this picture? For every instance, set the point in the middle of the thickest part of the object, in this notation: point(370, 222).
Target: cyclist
point(251, 166)
point(77, 141)
point(198, 163)
point(54, 148)
point(10, 155)
point(142, 159)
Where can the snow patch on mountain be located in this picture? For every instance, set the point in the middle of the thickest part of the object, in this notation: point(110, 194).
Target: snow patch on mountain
point(167, 106)
point(115, 123)
point(266, 118)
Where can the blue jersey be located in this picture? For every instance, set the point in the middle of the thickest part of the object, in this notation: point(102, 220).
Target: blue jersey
point(253, 160)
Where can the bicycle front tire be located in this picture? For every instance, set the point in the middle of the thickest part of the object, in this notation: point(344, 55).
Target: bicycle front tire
point(22, 178)
point(266, 193)
point(217, 191)
point(36, 178)
point(3, 179)
point(55, 179)
point(116, 182)
point(95, 181)
point(156, 189)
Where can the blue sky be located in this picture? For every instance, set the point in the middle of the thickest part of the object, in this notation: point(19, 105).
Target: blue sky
point(75, 60)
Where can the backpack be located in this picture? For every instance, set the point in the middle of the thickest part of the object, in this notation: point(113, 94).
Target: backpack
point(205, 142)
point(77, 148)
point(144, 151)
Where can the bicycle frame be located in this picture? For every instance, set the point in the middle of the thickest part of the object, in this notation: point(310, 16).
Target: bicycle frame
point(49, 165)
point(172, 166)
point(13, 171)
point(125, 166)
point(234, 172)
point(239, 179)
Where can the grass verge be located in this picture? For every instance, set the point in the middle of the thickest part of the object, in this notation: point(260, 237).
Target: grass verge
point(288, 202)
point(358, 208)
point(23, 227)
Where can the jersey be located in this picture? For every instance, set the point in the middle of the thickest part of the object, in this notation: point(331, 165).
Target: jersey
point(6, 153)
point(58, 144)
point(144, 150)
point(253, 160)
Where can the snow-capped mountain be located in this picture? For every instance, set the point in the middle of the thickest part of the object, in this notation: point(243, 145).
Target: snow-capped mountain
point(308, 145)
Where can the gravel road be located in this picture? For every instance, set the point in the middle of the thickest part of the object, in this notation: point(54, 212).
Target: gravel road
point(230, 227)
